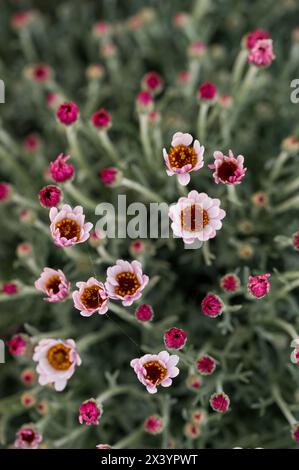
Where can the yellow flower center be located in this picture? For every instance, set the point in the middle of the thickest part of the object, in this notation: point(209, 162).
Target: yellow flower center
point(91, 298)
point(69, 228)
point(53, 284)
point(155, 372)
point(182, 155)
point(128, 284)
point(194, 218)
point(59, 357)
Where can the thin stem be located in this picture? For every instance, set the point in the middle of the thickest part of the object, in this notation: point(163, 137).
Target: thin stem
point(108, 146)
point(150, 195)
point(145, 138)
point(207, 255)
point(118, 390)
point(79, 197)
point(130, 439)
point(202, 121)
point(287, 327)
point(95, 337)
point(279, 162)
point(124, 315)
point(283, 406)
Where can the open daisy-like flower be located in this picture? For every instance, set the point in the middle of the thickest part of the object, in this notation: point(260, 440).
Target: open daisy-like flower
point(28, 437)
point(125, 281)
point(57, 360)
point(54, 283)
point(182, 157)
point(91, 297)
point(196, 217)
point(295, 352)
point(156, 369)
point(228, 169)
point(68, 225)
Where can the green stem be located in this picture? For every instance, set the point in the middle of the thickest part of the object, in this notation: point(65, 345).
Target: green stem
point(108, 146)
point(279, 162)
point(150, 195)
point(202, 121)
point(79, 197)
point(128, 440)
point(283, 406)
point(124, 315)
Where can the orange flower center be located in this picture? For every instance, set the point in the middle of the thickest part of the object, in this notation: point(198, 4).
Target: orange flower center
point(128, 284)
point(182, 155)
point(59, 357)
point(194, 218)
point(53, 284)
point(226, 170)
point(155, 372)
point(91, 298)
point(69, 228)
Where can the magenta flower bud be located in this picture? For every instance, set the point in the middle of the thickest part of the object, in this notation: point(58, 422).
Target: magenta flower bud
point(40, 73)
point(90, 412)
point(28, 400)
point(193, 382)
point(212, 305)
point(137, 247)
point(153, 424)
point(5, 192)
point(197, 49)
point(295, 433)
point(10, 288)
point(262, 55)
point(175, 338)
point(152, 83)
point(101, 29)
point(49, 196)
point(28, 438)
point(144, 312)
point(32, 143)
point(220, 402)
point(52, 99)
point(60, 170)
point(101, 119)
point(259, 286)
point(24, 250)
point(230, 283)
point(109, 175)
point(67, 113)
point(22, 19)
point(17, 345)
point(296, 241)
point(28, 376)
point(144, 102)
point(207, 92)
point(254, 36)
point(206, 365)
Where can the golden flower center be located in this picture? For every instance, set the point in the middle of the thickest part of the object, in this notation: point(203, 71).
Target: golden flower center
point(194, 218)
point(128, 284)
point(53, 284)
point(69, 228)
point(91, 298)
point(155, 372)
point(182, 155)
point(59, 357)
point(226, 170)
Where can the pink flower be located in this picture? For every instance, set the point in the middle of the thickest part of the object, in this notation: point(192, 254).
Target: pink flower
point(207, 91)
point(206, 365)
point(28, 438)
point(103, 446)
point(125, 281)
point(101, 119)
point(67, 113)
point(262, 54)
point(260, 199)
point(196, 217)
point(17, 345)
point(254, 36)
point(28, 400)
point(28, 376)
point(91, 297)
point(295, 433)
point(259, 286)
point(57, 360)
point(228, 169)
point(54, 284)
point(230, 283)
point(175, 338)
point(193, 382)
point(5, 191)
point(144, 312)
point(22, 19)
point(137, 248)
point(10, 288)
point(60, 170)
point(109, 175)
point(182, 158)
point(152, 83)
point(41, 73)
point(144, 102)
point(225, 101)
point(181, 19)
point(183, 77)
point(296, 240)
point(191, 430)
point(295, 353)
point(68, 225)
point(197, 49)
point(49, 196)
point(220, 402)
point(212, 305)
point(32, 143)
point(153, 424)
point(101, 29)
point(52, 99)
point(90, 412)
point(156, 369)
point(24, 250)
point(199, 416)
